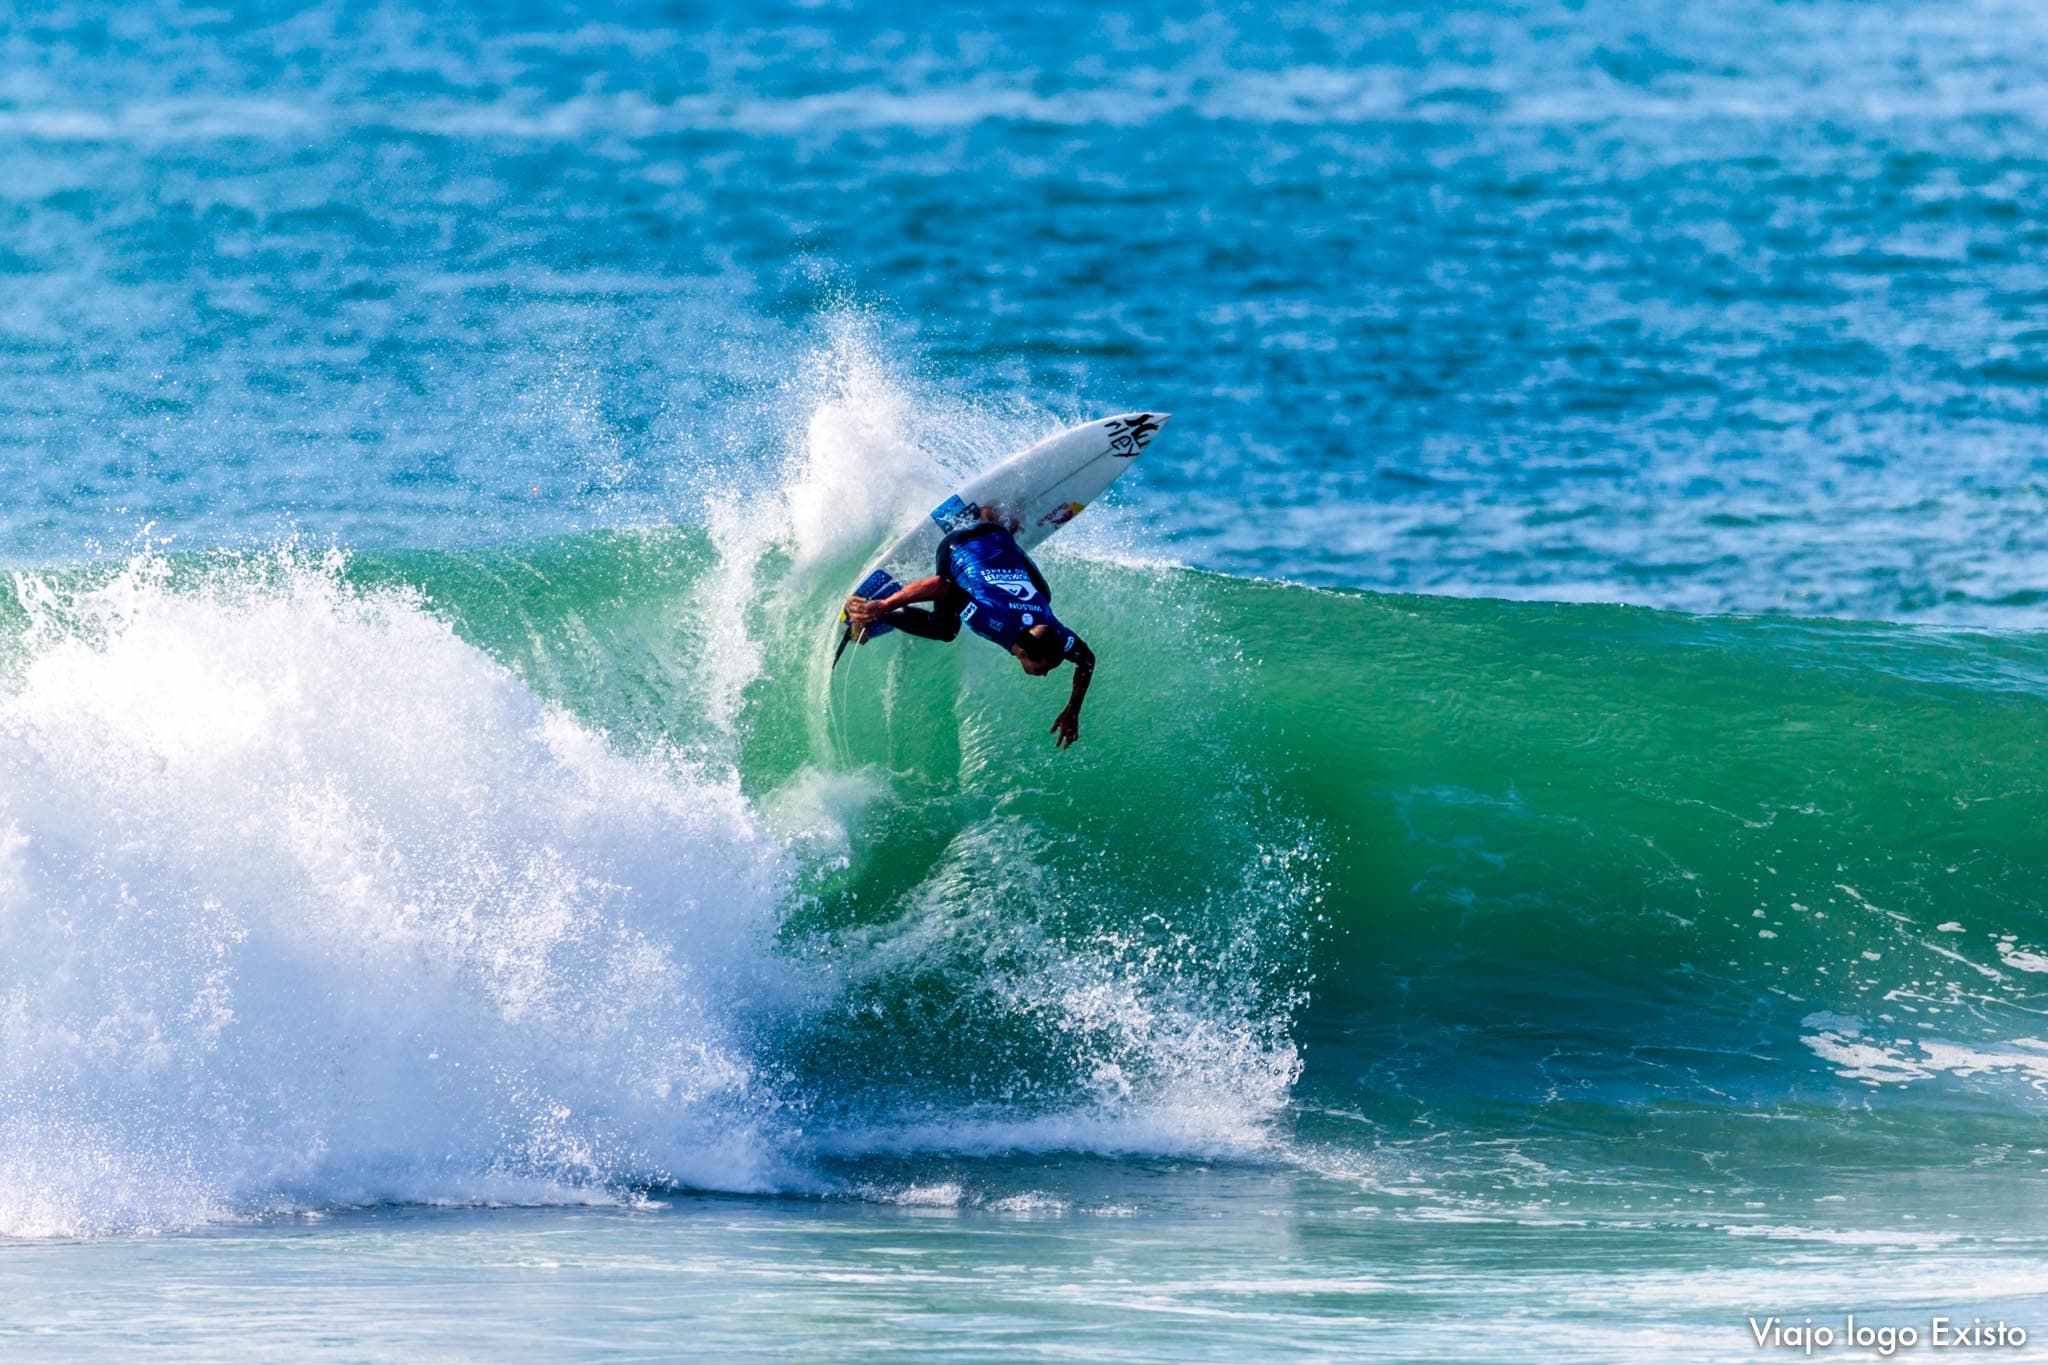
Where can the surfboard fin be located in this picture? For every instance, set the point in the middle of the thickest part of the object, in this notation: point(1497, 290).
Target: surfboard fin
point(852, 635)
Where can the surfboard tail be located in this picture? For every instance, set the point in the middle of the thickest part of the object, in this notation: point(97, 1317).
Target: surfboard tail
point(876, 584)
point(855, 635)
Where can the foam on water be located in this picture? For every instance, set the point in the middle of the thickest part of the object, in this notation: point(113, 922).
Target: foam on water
point(305, 900)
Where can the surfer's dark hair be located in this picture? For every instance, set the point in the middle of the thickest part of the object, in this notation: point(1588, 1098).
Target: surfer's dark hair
point(1041, 645)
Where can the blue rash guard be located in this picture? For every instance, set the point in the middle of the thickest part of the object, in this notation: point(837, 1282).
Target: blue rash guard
point(1005, 593)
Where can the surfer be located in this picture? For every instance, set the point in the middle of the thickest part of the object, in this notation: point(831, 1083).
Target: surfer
point(986, 581)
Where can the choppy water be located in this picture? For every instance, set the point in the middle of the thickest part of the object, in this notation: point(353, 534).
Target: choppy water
point(442, 889)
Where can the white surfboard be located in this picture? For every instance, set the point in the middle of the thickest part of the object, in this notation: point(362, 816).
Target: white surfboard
point(1036, 491)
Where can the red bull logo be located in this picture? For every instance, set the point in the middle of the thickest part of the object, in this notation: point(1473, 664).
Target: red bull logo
point(1061, 515)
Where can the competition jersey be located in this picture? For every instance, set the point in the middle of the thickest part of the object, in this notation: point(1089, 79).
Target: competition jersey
point(1006, 595)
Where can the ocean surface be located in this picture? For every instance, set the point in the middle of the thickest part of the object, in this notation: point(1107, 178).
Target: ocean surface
point(1554, 867)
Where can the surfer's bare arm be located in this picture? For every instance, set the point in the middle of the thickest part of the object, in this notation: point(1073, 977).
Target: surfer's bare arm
point(1067, 726)
point(865, 611)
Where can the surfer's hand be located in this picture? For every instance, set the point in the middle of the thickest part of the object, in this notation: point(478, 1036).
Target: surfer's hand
point(861, 611)
point(1067, 726)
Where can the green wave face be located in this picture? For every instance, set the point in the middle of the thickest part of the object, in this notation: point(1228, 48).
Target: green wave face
point(1531, 855)
point(1019, 935)
point(1393, 888)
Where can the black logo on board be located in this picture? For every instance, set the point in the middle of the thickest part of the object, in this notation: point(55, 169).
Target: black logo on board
point(1129, 436)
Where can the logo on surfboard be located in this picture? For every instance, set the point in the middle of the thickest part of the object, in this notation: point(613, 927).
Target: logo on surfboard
point(1127, 438)
point(956, 512)
point(1061, 515)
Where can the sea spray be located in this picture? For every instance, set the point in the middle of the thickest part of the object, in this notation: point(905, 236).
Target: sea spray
point(306, 900)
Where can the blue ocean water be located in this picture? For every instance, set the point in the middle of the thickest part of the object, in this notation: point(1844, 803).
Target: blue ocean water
point(448, 910)
point(1733, 307)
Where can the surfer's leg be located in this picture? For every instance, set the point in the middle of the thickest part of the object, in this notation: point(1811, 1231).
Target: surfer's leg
point(925, 625)
point(942, 622)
